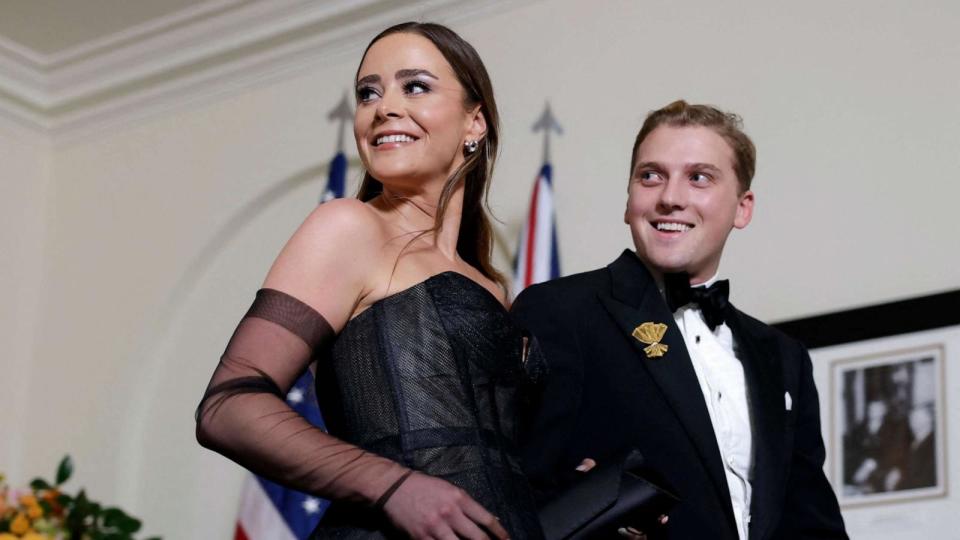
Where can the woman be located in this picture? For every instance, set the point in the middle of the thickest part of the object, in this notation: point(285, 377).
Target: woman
point(394, 297)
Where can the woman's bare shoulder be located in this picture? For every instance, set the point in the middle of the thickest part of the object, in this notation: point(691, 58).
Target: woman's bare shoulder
point(331, 258)
point(343, 218)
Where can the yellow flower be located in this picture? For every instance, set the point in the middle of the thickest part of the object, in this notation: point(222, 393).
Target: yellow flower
point(34, 536)
point(33, 512)
point(7, 536)
point(28, 499)
point(20, 525)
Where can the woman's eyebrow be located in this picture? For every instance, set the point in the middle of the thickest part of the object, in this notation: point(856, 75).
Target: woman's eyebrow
point(408, 73)
point(369, 79)
point(401, 74)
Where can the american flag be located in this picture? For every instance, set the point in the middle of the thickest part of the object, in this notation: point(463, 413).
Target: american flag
point(537, 257)
point(269, 511)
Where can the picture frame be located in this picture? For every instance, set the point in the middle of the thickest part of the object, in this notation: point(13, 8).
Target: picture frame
point(881, 368)
point(887, 426)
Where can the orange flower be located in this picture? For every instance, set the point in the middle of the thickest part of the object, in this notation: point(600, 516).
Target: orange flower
point(33, 512)
point(7, 536)
point(28, 499)
point(20, 525)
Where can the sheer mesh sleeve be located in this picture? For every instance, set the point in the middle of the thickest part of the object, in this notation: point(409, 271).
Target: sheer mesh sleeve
point(243, 414)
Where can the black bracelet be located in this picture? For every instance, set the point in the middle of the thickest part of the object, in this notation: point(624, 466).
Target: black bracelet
point(382, 501)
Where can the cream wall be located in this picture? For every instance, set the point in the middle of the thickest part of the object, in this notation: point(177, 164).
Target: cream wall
point(24, 184)
point(142, 245)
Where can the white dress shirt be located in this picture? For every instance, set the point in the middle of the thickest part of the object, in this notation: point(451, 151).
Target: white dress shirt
point(724, 389)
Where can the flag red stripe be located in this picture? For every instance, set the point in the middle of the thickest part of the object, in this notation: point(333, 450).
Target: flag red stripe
point(239, 533)
point(531, 233)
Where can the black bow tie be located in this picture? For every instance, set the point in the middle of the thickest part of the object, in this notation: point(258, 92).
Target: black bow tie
point(712, 300)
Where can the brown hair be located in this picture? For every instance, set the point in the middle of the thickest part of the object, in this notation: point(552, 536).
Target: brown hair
point(727, 125)
point(475, 239)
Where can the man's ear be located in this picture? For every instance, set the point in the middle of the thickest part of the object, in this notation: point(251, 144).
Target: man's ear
point(626, 207)
point(744, 210)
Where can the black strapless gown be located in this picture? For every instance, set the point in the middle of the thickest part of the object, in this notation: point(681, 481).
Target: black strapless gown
point(431, 377)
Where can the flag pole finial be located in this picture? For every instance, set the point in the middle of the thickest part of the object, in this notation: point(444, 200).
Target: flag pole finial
point(344, 114)
point(547, 123)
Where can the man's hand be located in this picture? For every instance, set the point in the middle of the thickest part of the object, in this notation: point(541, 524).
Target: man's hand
point(627, 532)
point(636, 534)
point(892, 478)
point(865, 470)
point(631, 533)
point(428, 507)
point(586, 465)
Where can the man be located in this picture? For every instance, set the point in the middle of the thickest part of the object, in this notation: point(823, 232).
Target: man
point(920, 464)
point(721, 405)
point(873, 450)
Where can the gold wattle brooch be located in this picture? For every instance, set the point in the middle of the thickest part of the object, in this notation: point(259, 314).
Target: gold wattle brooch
point(651, 334)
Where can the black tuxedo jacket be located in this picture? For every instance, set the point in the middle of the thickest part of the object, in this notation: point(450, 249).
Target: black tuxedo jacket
point(603, 395)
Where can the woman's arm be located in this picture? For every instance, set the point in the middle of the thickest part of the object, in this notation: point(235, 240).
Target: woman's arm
point(314, 286)
point(244, 415)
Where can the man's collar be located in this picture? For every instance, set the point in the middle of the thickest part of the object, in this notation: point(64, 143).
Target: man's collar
point(660, 286)
point(708, 282)
point(631, 276)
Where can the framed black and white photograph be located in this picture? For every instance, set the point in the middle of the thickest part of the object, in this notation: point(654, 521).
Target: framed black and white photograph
point(886, 384)
point(887, 426)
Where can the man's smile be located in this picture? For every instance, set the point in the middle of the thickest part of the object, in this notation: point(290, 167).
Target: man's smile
point(671, 226)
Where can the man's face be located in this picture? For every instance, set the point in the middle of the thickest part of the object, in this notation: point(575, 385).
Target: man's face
point(921, 422)
point(876, 412)
point(684, 199)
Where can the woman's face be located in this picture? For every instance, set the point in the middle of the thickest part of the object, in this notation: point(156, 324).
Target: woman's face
point(411, 122)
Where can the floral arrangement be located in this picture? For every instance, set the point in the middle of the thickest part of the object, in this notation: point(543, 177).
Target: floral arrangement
point(45, 512)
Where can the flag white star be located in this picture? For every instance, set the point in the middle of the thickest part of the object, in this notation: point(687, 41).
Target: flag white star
point(311, 505)
point(295, 395)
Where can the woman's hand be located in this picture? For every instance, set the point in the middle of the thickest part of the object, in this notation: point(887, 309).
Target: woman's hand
point(428, 507)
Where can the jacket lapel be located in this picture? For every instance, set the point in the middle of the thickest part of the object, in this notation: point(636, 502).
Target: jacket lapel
point(758, 352)
point(634, 300)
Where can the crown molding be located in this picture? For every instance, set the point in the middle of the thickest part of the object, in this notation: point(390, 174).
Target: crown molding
point(202, 51)
point(132, 34)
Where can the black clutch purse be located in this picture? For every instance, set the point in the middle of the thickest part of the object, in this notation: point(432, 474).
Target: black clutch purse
point(605, 499)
